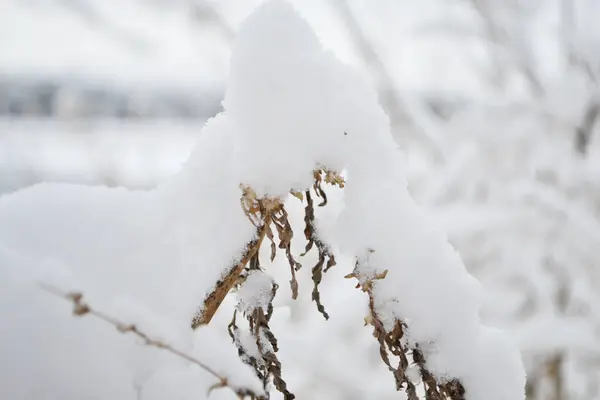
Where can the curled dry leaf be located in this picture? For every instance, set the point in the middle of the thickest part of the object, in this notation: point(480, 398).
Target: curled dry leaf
point(263, 212)
point(324, 253)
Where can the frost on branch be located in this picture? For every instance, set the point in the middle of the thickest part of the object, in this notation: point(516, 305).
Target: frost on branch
point(298, 118)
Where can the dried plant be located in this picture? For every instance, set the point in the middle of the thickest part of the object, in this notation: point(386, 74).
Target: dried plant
point(82, 308)
point(392, 342)
point(266, 212)
point(265, 362)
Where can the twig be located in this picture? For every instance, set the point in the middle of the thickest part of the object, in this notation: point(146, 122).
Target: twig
point(205, 12)
point(81, 308)
point(216, 297)
point(497, 37)
point(400, 110)
point(585, 130)
point(388, 90)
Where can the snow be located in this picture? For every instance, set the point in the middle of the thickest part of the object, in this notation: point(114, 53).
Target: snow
point(304, 112)
point(426, 286)
point(522, 211)
point(133, 154)
point(151, 257)
point(54, 355)
point(255, 293)
point(160, 250)
point(336, 122)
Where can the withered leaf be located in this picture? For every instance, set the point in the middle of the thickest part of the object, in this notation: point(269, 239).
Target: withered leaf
point(298, 195)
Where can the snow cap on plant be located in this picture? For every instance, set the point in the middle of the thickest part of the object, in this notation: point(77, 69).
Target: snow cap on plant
point(294, 104)
point(299, 114)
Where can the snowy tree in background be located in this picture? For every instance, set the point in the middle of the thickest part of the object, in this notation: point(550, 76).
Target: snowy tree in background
point(299, 127)
point(519, 197)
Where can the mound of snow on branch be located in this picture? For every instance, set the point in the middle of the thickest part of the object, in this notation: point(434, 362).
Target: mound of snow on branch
point(151, 257)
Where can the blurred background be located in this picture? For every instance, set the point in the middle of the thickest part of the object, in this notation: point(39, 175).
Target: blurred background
point(494, 102)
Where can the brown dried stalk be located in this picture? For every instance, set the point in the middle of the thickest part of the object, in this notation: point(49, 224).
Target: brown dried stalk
point(268, 365)
point(391, 342)
point(265, 213)
point(216, 297)
point(253, 208)
point(262, 213)
point(81, 308)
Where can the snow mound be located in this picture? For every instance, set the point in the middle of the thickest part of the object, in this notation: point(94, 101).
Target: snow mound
point(151, 257)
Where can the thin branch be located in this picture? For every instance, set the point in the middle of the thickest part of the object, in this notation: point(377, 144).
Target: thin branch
point(569, 30)
point(498, 37)
point(81, 308)
point(399, 110)
point(205, 12)
point(388, 90)
point(585, 130)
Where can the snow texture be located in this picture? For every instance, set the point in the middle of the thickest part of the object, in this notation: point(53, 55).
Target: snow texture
point(311, 110)
point(314, 111)
point(256, 292)
point(151, 257)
